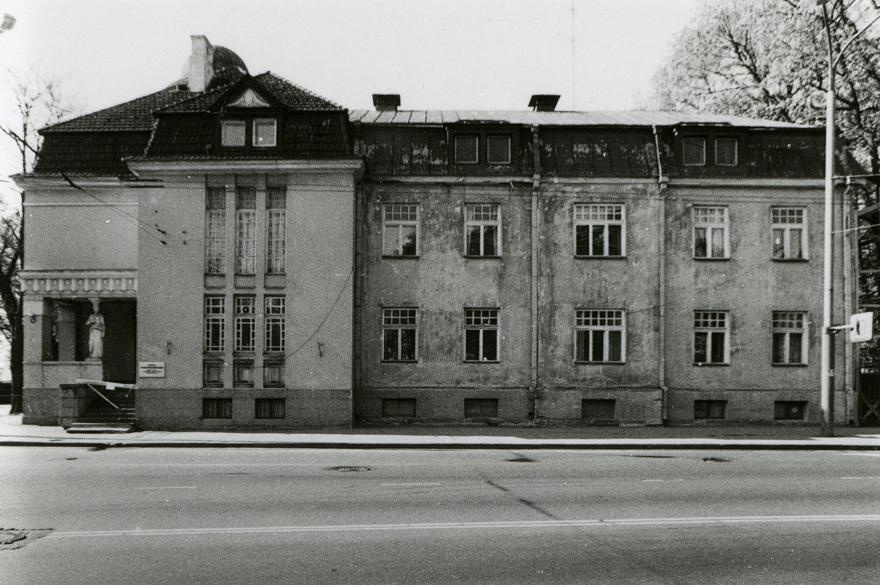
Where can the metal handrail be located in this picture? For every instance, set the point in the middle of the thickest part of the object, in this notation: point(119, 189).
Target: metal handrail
point(107, 386)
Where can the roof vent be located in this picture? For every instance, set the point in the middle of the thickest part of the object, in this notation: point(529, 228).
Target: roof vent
point(386, 102)
point(542, 102)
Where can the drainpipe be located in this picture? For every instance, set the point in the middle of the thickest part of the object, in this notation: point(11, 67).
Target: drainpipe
point(536, 185)
point(662, 183)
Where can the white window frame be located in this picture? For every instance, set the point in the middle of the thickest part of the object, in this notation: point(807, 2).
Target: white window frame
point(786, 323)
point(397, 216)
point(779, 217)
point(276, 231)
point(245, 233)
point(471, 211)
point(274, 318)
point(702, 218)
point(255, 136)
point(709, 322)
point(684, 141)
point(602, 321)
point(506, 137)
point(215, 316)
point(224, 124)
point(215, 231)
point(482, 319)
point(245, 321)
point(591, 215)
point(735, 142)
point(476, 138)
point(395, 320)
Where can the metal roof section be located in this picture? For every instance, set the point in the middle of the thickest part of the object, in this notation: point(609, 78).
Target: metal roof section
point(599, 118)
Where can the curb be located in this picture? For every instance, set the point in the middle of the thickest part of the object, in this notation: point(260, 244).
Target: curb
point(586, 446)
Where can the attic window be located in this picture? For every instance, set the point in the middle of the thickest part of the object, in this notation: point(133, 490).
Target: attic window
point(232, 132)
point(264, 132)
point(725, 152)
point(498, 150)
point(467, 149)
point(693, 152)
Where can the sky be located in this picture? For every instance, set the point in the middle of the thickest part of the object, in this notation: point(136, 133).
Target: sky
point(438, 54)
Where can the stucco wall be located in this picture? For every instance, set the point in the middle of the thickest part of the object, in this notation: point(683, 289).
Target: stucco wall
point(70, 230)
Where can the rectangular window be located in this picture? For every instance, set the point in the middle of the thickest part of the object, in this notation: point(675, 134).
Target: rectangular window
point(498, 150)
point(789, 225)
point(710, 232)
point(711, 331)
point(482, 229)
point(399, 334)
point(273, 373)
point(243, 373)
point(600, 335)
point(232, 132)
point(216, 407)
point(789, 410)
point(276, 229)
point(245, 230)
point(693, 152)
point(215, 230)
point(709, 409)
point(212, 373)
point(599, 230)
point(215, 324)
point(268, 408)
point(726, 152)
point(481, 408)
point(598, 410)
point(264, 132)
point(400, 229)
point(398, 407)
point(274, 324)
point(467, 149)
point(789, 337)
point(245, 323)
point(481, 335)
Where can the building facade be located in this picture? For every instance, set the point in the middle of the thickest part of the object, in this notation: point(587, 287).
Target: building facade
point(262, 257)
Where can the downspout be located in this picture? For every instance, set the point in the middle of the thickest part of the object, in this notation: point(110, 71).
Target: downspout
point(662, 183)
point(533, 369)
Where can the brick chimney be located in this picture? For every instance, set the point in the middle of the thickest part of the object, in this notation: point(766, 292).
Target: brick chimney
point(201, 64)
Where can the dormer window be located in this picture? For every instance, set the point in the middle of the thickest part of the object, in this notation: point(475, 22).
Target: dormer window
point(498, 149)
point(726, 152)
point(693, 152)
point(264, 132)
point(232, 133)
point(467, 149)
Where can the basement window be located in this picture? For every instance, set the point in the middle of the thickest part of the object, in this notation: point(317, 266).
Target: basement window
point(398, 407)
point(232, 132)
point(709, 409)
point(481, 408)
point(598, 410)
point(789, 410)
point(269, 408)
point(217, 408)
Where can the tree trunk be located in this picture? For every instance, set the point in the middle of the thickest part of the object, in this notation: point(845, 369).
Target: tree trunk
point(16, 359)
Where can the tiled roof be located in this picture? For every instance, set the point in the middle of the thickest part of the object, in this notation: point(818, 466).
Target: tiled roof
point(526, 117)
point(135, 115)
point(89, 152)
point(284, 92)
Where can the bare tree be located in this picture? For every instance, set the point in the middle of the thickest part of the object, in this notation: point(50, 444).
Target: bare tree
point(38, 103)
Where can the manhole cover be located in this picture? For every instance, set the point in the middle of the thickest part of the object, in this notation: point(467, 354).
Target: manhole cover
point(350, 468)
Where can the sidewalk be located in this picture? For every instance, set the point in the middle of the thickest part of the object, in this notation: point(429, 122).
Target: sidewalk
point(743, 437)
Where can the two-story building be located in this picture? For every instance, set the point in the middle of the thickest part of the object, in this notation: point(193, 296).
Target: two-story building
point(253, 255)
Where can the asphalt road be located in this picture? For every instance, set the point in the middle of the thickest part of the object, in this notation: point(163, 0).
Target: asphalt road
point(293, 516)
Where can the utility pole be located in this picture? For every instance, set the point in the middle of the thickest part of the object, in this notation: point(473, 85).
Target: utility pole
point(826, 392)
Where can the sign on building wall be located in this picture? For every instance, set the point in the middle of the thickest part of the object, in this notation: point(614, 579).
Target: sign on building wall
point(151, 369)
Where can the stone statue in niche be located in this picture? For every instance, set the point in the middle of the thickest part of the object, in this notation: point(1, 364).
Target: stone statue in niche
point(95, 324)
